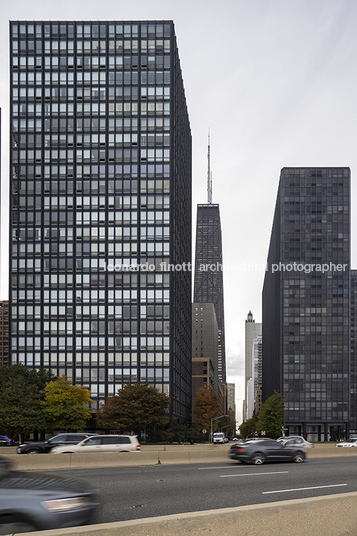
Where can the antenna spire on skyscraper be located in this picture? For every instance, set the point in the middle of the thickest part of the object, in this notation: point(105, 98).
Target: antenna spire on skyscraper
point(209, 173)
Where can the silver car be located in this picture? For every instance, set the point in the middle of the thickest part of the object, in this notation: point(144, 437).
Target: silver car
point(296, 441)
point(35, 501)
point(348, 443)
point(101, 443)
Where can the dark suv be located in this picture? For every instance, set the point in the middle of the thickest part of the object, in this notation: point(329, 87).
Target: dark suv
point(56, 441)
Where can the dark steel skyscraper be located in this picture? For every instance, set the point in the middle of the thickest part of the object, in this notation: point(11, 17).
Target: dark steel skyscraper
point(353, 420)
point(306, 301)
point(208, 283)
point(100, 199)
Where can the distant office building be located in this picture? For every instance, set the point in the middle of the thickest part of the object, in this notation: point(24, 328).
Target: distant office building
point(4, 333)
point(306, 302)
point(205, 336)
point(208, 283)
point(252, 331)
point(100, 204)
point(202, 375)
point(258, 400)
point(257, 370)
point(231, 401)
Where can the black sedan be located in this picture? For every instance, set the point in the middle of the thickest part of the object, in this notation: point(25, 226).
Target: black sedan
point(33, 501)
point(56, 441)
point(266, 450)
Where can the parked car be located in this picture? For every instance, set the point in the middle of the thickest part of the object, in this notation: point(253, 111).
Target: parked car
point(348, 443)
point(47, 446)
point(6, 441)
point(102, 443)
point(266, 450)
point(34, 501)
point(296, 440)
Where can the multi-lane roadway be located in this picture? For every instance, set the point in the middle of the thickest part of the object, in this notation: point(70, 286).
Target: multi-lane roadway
point(127, 493)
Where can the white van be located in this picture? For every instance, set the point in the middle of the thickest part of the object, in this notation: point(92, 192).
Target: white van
point(218, 437)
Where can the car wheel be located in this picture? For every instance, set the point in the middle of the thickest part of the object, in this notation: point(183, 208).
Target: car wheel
point(14, 528)
point(33, 451)
point(298, 457)
point(258, 458)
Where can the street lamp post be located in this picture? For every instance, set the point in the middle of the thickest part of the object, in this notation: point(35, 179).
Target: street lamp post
point(214, 419)
point(284, 395)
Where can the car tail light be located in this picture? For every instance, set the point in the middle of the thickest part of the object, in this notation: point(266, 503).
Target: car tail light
point(240, 449)
point(137, 447)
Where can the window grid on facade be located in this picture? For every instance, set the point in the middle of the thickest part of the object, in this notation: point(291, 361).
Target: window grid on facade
point(99, 185)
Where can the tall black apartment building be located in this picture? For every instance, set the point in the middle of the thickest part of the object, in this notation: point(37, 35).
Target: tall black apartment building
point(306, 301)
point(353, 419)
point(208, 281)
point(101, 206)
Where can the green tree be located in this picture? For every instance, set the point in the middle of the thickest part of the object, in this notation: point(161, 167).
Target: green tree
point(249, 427)
point(66, 406)
point(271, 416)
point(206, 408)
point(21, 395)
point(135, 407)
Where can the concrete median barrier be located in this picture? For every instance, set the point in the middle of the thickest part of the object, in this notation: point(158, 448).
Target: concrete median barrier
point(149, 455)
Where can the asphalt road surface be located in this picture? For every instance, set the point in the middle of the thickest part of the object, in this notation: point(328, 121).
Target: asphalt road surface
point(127, 493)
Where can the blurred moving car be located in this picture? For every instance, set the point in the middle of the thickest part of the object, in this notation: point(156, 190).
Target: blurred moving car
point(34, 501)
point(47, 446)
point(6, 441)
point(101, 443)
point(348, 443)
point(296, 440)
point(266, 450)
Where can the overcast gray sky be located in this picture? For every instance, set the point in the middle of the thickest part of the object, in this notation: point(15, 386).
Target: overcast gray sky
point(275, 81)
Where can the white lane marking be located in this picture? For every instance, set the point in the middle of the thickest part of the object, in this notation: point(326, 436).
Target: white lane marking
point(255, 474)
point(211, 468)
point(303, 489)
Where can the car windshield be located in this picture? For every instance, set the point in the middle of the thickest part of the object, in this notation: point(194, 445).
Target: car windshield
point(57, 439)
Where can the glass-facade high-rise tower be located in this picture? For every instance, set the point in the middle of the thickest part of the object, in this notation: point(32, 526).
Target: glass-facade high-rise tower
point(100, 201)
point(208, 282)
point(306, 302)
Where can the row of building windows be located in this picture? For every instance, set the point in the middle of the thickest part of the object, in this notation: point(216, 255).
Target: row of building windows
point(151, 264)
point(89, 327)
point(29, 187)
point(111, 29)
point(101, 311)
point(87, 46)
point(93, 77)
point(93, 124)
point(112, 127)
point(62, 343)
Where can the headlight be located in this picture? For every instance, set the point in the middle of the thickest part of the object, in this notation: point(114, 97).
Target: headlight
point(59, 505)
